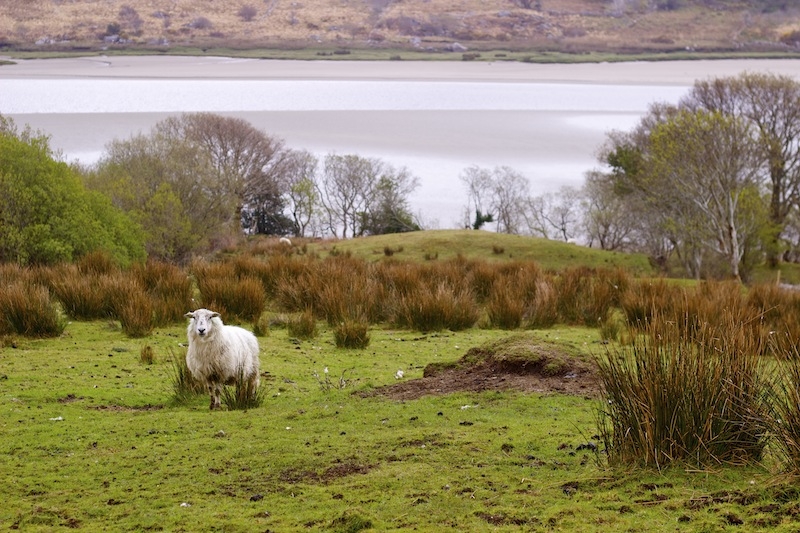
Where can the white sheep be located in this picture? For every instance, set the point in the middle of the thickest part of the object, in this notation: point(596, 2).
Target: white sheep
point(219, 354)
point(285, 241)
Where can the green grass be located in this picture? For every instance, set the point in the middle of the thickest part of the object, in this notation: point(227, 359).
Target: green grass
point(93, 439)
point(448, 244)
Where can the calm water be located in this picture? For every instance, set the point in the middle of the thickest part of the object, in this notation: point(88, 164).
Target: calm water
point(548, 131)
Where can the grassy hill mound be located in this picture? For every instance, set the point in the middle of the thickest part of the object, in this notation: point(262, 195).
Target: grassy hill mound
point(432, 245)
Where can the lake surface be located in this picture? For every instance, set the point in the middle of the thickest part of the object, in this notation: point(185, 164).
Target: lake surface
point(549, 131)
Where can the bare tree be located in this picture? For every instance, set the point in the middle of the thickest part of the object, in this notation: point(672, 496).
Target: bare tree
point(388, 210)
point(167, 185)
point(510, 190)
point(607, 221)
point(346, 187)
point(303, 196)
point(710, 162)
point(479, 191)
point(248, 163)
point(771, 104)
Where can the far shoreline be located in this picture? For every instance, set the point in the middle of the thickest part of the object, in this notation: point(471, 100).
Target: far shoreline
point(662, 72)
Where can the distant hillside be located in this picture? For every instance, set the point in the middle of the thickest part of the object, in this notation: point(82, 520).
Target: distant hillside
point(576, 26)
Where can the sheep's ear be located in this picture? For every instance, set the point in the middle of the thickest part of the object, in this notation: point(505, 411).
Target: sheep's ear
point(213, 314)
point(189, 315)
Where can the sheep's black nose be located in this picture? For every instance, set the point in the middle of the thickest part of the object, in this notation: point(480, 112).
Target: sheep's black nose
point(201, 331)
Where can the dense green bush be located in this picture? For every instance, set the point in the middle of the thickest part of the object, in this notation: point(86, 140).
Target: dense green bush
point(48, 216)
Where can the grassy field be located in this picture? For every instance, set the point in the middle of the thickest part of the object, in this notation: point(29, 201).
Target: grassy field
point(94, 437)
point(94, 440)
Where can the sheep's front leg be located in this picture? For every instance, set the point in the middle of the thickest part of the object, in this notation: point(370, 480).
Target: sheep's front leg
point(215, 389)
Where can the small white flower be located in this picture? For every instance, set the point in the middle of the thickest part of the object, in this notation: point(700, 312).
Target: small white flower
point(326, 370)
point(184, 504)
point(399, 374)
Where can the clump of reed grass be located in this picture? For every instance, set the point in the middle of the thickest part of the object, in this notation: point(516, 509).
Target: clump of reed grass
point(185, 388)
point(506, 305)
point(83, 296)
point(584, 298)
point(243, 395)
point(611, 328)
point(645, 298)
point(97, 263)
point(302, 326)
point(133, 307)
point(388, 251)
point(170, 289)
point(147, 355)
point(28, 310)
point(351, 333)
point(783, 395)
point(240, 298)
point(542, 312)
point(436, 308)
point(481, 279)
point(669, 399)
point(261, 326)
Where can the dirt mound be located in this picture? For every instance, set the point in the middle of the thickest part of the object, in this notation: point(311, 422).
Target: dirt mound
point(520, 362)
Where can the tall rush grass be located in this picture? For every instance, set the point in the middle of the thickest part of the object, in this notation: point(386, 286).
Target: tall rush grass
point(669, 399)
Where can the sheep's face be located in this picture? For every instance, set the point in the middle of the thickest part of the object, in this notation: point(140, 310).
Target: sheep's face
point(201, 323)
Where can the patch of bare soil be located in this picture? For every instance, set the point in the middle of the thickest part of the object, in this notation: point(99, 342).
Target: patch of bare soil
point(520, 362)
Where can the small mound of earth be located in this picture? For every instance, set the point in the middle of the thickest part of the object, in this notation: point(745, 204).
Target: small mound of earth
point(520, 362)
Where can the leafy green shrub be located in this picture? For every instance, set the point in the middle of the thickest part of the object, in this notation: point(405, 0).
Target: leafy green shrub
point(351, 333)
point(28, 310)
point(48, 215)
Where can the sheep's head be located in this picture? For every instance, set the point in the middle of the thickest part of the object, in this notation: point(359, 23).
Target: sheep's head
point(201, 322)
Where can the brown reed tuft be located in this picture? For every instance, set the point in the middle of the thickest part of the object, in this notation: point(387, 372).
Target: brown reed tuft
point(671, 400)
point(29, 310)
point(303, 326)
point(170, 289)
point(436, 308)
point(221, 290)
point(351, 333)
